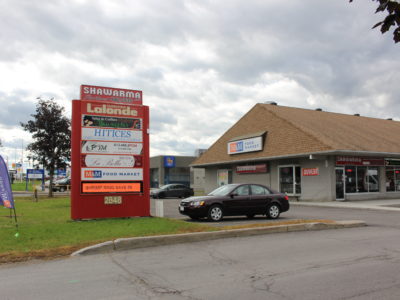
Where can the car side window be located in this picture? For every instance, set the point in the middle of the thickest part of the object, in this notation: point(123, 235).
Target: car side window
point(259, 190)
point(243, 190)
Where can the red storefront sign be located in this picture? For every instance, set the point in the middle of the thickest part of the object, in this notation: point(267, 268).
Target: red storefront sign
point(359, 161)
point(101, 93)
point(110, 159)
point(261, 168)
point(310, 171)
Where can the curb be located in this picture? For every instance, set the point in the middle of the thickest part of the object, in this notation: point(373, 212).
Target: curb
point(351, 205)
point(162, 240)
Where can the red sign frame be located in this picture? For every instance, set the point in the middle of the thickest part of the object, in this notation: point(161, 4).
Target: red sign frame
point(95, 205)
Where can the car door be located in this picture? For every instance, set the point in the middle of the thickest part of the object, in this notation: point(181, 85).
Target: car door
point(180, 190)
point(173, 191)
point(238, 201)
point(260, 198)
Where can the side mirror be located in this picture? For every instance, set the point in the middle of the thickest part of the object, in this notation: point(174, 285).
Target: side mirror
point(233, 195)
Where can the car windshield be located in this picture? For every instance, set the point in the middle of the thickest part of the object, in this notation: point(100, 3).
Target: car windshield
point(222, 190)
point(164, 187)
point(65, 180)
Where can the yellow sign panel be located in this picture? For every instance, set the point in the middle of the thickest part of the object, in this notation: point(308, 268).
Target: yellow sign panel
point(114, 187)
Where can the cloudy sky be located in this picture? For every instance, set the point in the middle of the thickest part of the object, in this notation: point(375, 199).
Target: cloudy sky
point(201, 64)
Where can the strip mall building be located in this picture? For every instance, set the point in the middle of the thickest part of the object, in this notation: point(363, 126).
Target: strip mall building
point(311, 155)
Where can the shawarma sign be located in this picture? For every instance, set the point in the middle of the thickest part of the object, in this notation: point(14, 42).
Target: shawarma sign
point(101, 93)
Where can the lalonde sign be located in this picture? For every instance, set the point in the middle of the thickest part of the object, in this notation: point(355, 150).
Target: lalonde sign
point(110, 154)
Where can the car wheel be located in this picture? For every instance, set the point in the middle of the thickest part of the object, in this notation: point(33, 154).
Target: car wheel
point(273, 211)
point(62, 189)
point(161, 195)
point(215, 213)
point(250, 216)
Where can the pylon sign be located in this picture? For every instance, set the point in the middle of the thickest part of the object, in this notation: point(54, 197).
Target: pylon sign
point(110, 157)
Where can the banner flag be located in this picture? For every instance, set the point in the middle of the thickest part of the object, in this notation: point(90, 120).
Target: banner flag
point(6, 196)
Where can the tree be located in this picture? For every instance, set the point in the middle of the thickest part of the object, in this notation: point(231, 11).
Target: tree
point(51, 132)
point(392, 19)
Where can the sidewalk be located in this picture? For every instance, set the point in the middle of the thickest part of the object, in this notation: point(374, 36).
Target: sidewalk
point(387, 204)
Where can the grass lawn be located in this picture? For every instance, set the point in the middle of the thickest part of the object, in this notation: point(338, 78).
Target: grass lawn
point(21, 186)
point(45, 229)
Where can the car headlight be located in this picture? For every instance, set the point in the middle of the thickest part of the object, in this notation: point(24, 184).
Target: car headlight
point(197, 203)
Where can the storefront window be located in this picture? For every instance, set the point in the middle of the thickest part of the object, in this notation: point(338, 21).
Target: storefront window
point(393, 179)
point(373, 179)
point(290, 180)
point(224, 177)
point(351, 182)
point(362, 179)
point(362, 183)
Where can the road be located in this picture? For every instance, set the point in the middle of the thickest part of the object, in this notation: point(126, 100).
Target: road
point(356, 263)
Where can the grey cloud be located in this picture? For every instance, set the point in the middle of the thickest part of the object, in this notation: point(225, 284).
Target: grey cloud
point(15, 109)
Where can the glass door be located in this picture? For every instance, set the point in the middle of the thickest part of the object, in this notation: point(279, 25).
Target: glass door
point(340, 186)
point(290, 180)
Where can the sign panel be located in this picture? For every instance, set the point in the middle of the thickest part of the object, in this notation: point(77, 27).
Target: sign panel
point(111, 148)
point(246, 145)
point(310, 171)
point(111, 161)
point(123, 174)
point(101, 93)
point(111, 122)
point(169, 161)
point(111, 187)
point(359, 161)
point(115, 135)
point(34, 173)
point(261, 168)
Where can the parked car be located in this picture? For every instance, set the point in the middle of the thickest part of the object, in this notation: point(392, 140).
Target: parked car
point(172, 190)
point(62, 185)
point(234, 200)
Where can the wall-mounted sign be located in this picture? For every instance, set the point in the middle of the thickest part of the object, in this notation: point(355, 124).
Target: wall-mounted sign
point(113, 122)
point(392, 162)
point(310, 171)
point(245, 145)
point(111, 161)
point(111, 147)
point(260, 168)
point(359, 161)
point(111, 187)
point(101, 93)
point(169, 161)
point(96, 174)
point(115, 135)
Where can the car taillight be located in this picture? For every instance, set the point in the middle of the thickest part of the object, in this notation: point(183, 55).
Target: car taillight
point(286, 197)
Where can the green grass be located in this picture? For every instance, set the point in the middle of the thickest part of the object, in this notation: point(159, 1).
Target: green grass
point(46, 225)
point(21, 186)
